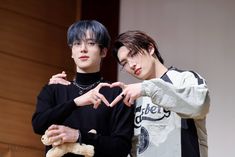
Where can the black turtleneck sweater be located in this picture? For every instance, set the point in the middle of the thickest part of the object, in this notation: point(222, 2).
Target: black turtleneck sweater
point(114, 126)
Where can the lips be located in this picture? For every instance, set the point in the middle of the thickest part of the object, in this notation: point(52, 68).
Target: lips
point(83, 58)
point(137, 71)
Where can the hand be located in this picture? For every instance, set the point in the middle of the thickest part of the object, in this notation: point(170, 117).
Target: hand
point(60, 134)
point(59, 79)
point(129, 93)
point(92, 97)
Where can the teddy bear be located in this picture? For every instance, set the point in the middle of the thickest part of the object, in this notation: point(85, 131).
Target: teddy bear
point(75, 148)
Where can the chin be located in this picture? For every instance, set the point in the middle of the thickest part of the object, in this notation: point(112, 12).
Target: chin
point(140, 77)
point(84, 65)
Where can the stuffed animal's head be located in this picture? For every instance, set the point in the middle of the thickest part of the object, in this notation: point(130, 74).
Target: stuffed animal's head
point(47, 141)
point(75, 148)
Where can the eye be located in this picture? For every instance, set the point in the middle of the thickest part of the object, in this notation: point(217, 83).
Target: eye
point(76, 43)
point(123, 64)
point(91, 43)
point(132, 54)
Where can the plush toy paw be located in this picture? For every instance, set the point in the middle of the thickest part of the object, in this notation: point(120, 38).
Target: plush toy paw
point(75, 148)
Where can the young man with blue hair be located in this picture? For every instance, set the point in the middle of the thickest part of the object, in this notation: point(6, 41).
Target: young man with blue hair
point(68, 112)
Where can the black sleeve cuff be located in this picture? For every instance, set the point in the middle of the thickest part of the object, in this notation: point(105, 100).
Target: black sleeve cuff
point(88, 138)
point(79, 140)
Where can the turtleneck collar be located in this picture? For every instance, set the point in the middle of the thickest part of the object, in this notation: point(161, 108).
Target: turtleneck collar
point(88, 78)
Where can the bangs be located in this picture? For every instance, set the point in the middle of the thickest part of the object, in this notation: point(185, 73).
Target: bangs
point(91, 30)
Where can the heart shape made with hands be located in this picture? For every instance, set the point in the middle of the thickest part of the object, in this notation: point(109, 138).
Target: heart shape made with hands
point(61, 79)
point(115, 100)
point(113, 85)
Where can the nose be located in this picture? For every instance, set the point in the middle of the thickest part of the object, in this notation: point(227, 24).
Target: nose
point(132, 64)
point(83, 47)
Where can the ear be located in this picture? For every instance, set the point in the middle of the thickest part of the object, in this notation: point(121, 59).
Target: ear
point(72, 55)
point(151, 50)
point(103, 52)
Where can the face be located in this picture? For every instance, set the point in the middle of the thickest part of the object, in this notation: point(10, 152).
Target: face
point(87, 55)
point(139, 65)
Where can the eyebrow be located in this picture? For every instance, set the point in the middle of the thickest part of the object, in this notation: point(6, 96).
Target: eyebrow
point(89, 39)
point(86, 39)
point(121, 62)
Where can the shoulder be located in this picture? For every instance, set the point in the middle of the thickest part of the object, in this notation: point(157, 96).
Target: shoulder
point(51, 88)
point(180, 77)
point(55, 86)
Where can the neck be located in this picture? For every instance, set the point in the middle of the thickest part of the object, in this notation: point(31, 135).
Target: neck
point(88, 78)
point(87, 71)
point(160, 69)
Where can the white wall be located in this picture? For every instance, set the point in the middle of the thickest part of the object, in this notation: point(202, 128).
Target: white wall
point(198, 35)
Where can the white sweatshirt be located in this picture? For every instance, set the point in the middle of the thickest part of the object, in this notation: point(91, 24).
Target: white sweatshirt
point(170, 117)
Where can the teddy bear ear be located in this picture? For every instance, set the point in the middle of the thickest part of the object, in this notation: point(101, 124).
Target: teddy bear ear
point(45, 140)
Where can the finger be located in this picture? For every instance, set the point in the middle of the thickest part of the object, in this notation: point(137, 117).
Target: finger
point(60, 138)
point(63, 81)
point(59, 81)
point(52, 133)
point(131, 102)
point(97, 103)
point(53, 130)
point(57, 140)
point(95, 97)
point(103, 99)
point(93, 101)
point(102, 85)
point(63, 75)
point(118, 84)
point(52, 127)
point(52, 81)
point(117, 99)
point(126, 100)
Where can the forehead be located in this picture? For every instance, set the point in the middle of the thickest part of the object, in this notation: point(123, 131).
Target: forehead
point(88, 35)
point(122, 53)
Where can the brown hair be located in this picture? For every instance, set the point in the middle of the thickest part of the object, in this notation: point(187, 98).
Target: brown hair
point(136, 41)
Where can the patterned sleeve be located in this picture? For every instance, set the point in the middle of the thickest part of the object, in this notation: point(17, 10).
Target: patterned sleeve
point(187, 94)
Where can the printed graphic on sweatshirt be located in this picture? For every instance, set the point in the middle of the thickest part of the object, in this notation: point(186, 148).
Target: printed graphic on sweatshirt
point(149, 113)
point(153, 125)
point(143, 140)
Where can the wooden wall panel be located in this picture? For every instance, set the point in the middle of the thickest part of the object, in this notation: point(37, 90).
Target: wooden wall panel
point(23, 78)
point(7, 150)
point(16, 128)
point(4, 150)
point(49, 11)
point(32, 48)
point(34, 40)
point(25, 152)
